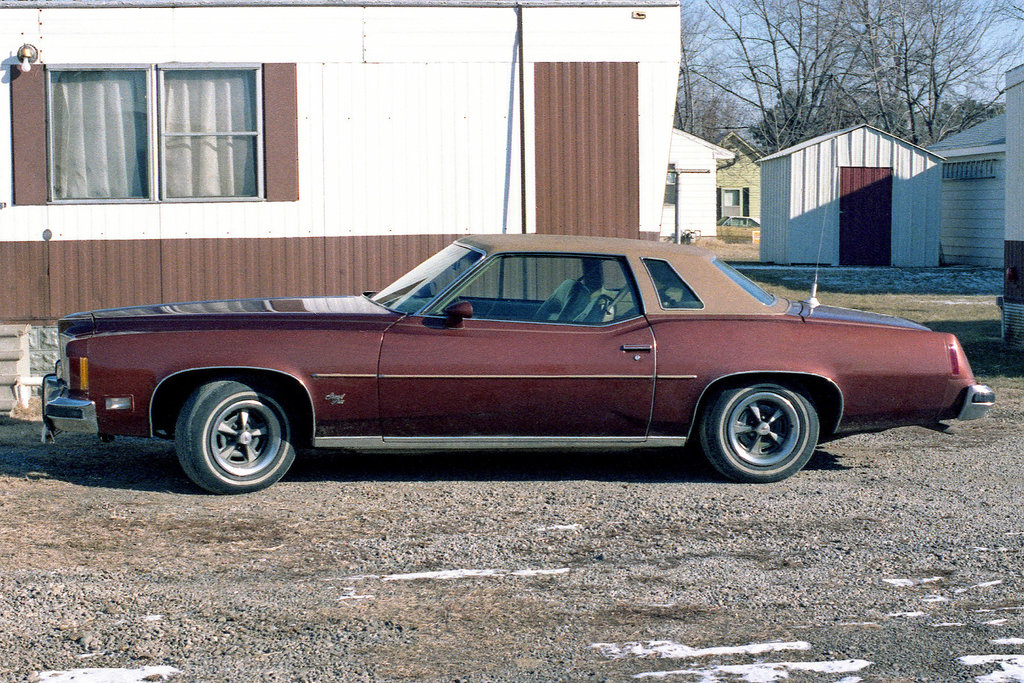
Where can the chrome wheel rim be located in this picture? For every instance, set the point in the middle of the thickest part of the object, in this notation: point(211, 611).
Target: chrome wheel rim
point(245, 438)
point(763, 429)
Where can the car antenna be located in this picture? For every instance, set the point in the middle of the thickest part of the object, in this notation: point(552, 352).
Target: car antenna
point(812, 300)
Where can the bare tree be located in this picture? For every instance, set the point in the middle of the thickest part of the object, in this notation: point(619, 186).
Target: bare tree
point(785, 58)
point(702, 108)
point(920, 69)
point(925, 68)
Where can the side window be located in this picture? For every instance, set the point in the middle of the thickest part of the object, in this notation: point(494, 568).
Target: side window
point(553, 288)
point(673, 293)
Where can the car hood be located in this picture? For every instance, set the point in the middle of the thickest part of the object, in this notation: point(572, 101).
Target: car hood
point(851, 315)
point(231, 311)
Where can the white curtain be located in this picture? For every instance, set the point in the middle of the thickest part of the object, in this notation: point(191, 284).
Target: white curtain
point(99, 138)
point(210, 133)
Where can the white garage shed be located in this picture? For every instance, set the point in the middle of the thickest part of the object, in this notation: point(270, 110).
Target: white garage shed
point(855, 197)
point(974, 194)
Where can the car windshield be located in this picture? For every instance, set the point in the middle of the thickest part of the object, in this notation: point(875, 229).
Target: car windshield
point(413, 290)
point(746, 283)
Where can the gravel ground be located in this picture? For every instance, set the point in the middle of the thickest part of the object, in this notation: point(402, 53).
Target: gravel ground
point(890, 558)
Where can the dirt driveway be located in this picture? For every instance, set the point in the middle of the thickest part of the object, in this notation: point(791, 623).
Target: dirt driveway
point(894, 557)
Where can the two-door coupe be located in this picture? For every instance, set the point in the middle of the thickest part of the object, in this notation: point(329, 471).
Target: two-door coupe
point(508, 342)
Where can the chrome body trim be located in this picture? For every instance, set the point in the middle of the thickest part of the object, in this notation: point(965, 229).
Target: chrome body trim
point(62, 413)
point(472, 443)
point(677, 376)
point(646, 378)
point(156, 389)
point(977, 401)
point(791, 373)
point(340, 375)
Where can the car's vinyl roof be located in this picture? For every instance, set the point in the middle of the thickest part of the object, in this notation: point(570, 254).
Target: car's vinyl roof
point(592, 245)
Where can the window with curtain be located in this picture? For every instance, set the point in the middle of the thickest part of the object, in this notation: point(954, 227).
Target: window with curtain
point(99, 135)
point(209, 133)
point(205, 144)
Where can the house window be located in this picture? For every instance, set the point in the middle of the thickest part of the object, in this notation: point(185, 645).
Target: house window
point(99, 134)
point(149, 133)
point(732, 202)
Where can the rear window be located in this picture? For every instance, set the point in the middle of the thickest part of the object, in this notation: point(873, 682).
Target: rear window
point(746, 283)
point(673, 293)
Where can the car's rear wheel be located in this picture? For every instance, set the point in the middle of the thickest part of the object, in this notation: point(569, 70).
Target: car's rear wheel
point(759, 433)
point(233, 438)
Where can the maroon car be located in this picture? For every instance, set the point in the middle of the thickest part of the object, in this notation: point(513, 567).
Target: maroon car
point(508, 342)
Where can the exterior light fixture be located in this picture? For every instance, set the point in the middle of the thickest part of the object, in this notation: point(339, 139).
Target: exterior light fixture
point(27, 55)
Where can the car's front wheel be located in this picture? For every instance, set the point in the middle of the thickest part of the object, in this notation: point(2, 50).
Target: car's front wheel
point(759, 433)
point(233, 438)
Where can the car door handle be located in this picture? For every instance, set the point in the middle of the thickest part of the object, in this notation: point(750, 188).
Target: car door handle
point(637, 347)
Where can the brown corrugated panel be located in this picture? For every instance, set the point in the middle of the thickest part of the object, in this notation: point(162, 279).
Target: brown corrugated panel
point(281, 132)
point(1013, 290)
point(587, 148)
point(23, 265)
point(103, 274)
point(87, 275)
point(360, 263)
point(28, 145)
point(202, 269)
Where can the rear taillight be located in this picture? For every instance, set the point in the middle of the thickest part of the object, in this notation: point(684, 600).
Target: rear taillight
point(954, 360)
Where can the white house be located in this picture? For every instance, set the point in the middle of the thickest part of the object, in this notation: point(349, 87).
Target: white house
point(974, 194)
point(1013, 284)
point(693, 163)
point(184, 150)
point(853, 197)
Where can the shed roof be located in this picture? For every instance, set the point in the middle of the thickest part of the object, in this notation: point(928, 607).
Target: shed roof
point(985, 135)
point(716, 151)
point(840, 133)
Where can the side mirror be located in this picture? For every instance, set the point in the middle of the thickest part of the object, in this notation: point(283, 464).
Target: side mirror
point(457, 312)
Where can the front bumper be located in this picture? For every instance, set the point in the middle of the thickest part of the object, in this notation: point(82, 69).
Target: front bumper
point(977, 400)
point(61, 413)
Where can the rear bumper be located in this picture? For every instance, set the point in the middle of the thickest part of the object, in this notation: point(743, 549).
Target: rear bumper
point(61, 413)
point(977, 400)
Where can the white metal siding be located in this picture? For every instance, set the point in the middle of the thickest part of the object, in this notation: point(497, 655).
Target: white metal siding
point(657, 87)
point(973, 217)
point(408, 117)
point(601, 34)
point(1015, 154)
point(775, 182)
point(696, 164)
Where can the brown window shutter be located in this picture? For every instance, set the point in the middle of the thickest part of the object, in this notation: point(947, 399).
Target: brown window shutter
point(28, 143)
point(280, 132)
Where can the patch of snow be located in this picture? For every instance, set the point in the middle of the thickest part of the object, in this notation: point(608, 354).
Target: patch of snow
point(350, 594)
point(984, 584)
point(1007, 641)
point(540, 572)
point(907, 583)
point(666, 649)
point(153, 617)
point(560, 527)
point(948, 624)
point(1011, 667)
point(935, 598)
point(146, 673)
point(911, 615)
point(996, 622)
point(762, 672)
point(471, 573)
point(1000, 549)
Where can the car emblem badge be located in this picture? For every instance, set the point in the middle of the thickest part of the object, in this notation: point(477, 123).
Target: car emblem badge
point(335, 399)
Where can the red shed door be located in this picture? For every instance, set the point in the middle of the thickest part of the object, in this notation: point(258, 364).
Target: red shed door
point(865, 216)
